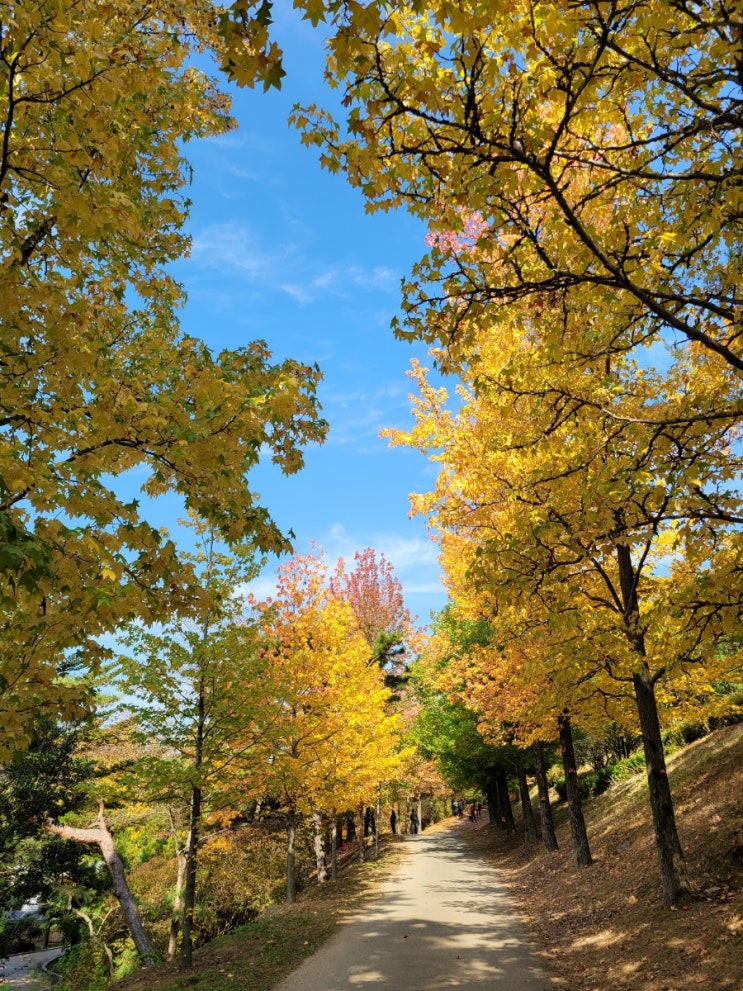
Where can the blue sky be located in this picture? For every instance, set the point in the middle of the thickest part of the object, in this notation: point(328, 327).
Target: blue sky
point(284, 252)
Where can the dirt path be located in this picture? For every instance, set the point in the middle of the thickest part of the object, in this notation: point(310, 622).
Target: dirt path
point(442, 920)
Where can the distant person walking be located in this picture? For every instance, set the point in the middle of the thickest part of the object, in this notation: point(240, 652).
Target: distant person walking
point(393, 821)
point(413, 821)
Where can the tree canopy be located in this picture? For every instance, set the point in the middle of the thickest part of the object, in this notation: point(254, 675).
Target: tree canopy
point(96, 379)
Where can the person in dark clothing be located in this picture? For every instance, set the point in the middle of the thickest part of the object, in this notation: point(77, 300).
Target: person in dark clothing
point(393, 821)
point(413, 821)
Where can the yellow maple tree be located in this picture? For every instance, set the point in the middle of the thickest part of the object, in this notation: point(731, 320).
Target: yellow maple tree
point(97, 104)
point(338, 737)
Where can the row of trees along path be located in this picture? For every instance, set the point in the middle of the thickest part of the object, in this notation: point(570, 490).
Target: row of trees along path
point(443, 919)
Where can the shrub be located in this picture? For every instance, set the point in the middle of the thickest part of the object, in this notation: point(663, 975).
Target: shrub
point(627, 768)
point(589, 783)
point(83, 968)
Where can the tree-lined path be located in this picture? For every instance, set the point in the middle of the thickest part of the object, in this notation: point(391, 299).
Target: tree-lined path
point(443, 919)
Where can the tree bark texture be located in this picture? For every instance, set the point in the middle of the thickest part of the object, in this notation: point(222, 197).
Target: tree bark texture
point(362, 839)
point(673, 876)
point(102, 838)
point(189, 890)
point(530, 824)
point(673, 873)
point(581, 850)
point(291, 830)
point(180, 881)
point(317, 829)
point(549, 838)
point(333, 846)
point(377, 812)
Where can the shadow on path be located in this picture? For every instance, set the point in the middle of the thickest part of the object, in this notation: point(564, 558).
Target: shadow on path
point(442, 920)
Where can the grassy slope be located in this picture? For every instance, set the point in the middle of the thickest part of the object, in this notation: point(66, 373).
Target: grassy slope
point(600, 929)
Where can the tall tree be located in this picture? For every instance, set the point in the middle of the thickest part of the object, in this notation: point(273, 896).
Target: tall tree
point(597, 142)
point(202, 689)
point(601, 550)
point(338, 737)
point(100, 835)
point(96, 379)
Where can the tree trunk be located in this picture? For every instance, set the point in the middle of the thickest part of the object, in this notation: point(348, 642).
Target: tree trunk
point(102, 838)
point(673, 875)
point(322, 873)
point(491, 795)
point(177, 914)
point(291, 830)
point(530, 825)
point(506, 810)
point(545, 809)
point(362, 836)
point(189, 890)
point(581, 851)
point(333, 846)
point(376, 829)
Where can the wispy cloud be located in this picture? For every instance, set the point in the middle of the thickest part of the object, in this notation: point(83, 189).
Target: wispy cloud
point(231, 246)
point(405, 554)
point(293, 270)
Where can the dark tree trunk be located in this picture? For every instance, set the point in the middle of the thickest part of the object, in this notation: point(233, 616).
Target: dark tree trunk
point(581, 850)
point(362, 837)
point(192, 840)
point(334, 846)
point(102, 838)
point(491, 794)
point(495, 799)
point(673, 877)
point(350, 828)
point(673, 874)
point(499, 810)
point(545, 809)
point(376, 829)
point(189, 891)
point(530, 825)
point(506, 810)
point(291, 830)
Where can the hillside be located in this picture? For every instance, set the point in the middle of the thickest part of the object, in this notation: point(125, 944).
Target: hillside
point(601, 928)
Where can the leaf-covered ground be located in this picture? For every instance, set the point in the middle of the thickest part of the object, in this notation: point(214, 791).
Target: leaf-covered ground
point(603, 928)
